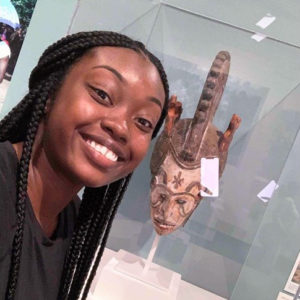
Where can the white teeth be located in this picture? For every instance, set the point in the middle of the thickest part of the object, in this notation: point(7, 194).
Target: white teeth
point(103, 150)
point(112, 156)
point(98, 148)
point(165, 226)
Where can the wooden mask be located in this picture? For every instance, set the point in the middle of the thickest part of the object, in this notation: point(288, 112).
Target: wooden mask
point(176, 159)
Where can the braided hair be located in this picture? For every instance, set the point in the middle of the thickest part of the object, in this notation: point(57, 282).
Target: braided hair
point(99, 205)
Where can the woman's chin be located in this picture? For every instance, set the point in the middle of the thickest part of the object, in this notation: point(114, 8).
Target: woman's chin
point(98, 180)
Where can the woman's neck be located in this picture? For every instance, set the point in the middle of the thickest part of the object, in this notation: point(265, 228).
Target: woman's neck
point(49, 191)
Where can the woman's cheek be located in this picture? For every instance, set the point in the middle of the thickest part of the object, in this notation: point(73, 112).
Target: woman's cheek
point(143, 145)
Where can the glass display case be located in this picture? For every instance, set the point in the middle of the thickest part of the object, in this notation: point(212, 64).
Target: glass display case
point(238, 246)
point(242, 244)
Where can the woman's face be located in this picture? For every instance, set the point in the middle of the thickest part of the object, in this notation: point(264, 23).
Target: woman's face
point(99, 126)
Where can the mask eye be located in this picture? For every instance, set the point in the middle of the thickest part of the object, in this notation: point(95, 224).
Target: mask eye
point(157, 201)
point(158, 197)
point(180, 201)
point(163, 197)
point(185, 206)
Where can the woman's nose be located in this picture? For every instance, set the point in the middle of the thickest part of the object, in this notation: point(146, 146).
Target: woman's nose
point(116, 127)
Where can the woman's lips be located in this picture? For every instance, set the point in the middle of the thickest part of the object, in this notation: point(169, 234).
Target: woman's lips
point(103, 150)
point(104, 145)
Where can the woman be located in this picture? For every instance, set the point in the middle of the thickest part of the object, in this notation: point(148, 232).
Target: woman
point(95, 101)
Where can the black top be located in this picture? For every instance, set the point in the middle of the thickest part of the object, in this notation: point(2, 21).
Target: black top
point(42, 258)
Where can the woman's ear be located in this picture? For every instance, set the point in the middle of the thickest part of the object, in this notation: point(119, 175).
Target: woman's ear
point(47, 106)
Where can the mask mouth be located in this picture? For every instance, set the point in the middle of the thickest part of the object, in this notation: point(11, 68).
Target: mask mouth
point(163, 223)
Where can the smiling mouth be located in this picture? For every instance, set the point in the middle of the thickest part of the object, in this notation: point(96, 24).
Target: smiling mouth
point(106, 147)
point(110, 155)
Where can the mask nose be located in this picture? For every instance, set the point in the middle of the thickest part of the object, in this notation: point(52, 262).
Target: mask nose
point(165, 209)
point(117, 128)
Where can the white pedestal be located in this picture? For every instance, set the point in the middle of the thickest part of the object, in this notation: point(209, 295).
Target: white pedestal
point(122, 278)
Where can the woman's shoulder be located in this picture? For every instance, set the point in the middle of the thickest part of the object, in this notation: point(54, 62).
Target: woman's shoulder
point(8, 159)
point(68, 218)
point(72, 209)
point(75, 204)
point(8, 174)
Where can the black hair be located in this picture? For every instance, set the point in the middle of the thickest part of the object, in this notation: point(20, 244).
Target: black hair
point(99, 205)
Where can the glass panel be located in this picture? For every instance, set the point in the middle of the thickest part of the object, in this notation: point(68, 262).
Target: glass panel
point(276, 244)
point(247, 13)
point(107, 15)
point(211, 249)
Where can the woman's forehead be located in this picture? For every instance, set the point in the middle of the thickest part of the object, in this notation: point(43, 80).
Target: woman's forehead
point(117, 55)
point(127, 64)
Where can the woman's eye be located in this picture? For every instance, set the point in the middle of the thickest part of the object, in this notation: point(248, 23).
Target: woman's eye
point(102, 94)
point(99, 94)
point(180, 201)
point(145, 124)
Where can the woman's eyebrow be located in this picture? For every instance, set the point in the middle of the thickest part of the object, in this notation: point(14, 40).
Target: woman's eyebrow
point(156, 101)
point(114, 71)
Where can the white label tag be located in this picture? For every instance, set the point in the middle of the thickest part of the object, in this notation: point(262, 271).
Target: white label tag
point(210, 177)
point(266, 194)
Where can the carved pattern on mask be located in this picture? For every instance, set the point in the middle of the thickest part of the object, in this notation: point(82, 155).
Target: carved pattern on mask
point(176, 159)
point(177, 180)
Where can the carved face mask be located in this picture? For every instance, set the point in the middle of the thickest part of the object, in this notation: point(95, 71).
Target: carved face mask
point(176, 159)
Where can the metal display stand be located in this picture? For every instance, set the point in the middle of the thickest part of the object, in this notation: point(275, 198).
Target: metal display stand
point(297, 295)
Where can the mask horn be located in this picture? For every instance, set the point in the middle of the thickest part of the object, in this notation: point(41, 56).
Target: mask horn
point(207, 105)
